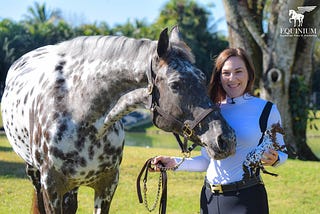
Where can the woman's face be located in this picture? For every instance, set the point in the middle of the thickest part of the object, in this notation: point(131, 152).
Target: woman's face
point(234, 76)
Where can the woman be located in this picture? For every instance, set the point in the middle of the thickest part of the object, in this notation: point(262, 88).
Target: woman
point(230, 87)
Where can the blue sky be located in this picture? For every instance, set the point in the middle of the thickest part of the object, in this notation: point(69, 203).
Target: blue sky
point(111, 11)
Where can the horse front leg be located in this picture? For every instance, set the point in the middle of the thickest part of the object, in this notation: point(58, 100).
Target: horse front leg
point(54, 187)
point(70, 201)
point(37, 201)
point(104, 191)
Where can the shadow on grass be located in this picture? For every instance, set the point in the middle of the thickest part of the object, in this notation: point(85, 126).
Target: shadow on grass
point(5, 149)
point(12, 169)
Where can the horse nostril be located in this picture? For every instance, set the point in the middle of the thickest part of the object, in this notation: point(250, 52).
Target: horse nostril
point(221, 143)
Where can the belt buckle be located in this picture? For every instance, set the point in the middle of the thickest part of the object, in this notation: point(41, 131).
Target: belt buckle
point(216, 188)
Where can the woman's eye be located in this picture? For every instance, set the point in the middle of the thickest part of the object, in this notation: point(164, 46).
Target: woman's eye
point(225, 74)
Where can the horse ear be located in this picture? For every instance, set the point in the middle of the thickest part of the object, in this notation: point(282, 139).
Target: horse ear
point(163, 43)
point(175, 35)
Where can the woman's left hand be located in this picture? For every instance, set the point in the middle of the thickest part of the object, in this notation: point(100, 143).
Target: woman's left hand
point(269, 157)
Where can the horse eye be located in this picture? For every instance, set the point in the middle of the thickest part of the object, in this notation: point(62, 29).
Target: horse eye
point(174, 86)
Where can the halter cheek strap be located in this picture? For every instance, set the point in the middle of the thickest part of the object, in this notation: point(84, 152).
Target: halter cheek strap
point(186, 127)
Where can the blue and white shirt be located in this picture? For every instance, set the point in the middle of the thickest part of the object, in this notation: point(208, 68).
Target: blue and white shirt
point(242, 114)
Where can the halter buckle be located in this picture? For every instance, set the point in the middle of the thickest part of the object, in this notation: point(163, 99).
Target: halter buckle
point(187, 131)
point(186, 154)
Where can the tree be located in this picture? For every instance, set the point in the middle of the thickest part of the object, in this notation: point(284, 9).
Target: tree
point(46, 26)
point(13, 43)
point(40, 28)
point(40, 14)
point(137, 29)
point(316, 78)
point(282, 55)
point(193, 21)
point(91, 30)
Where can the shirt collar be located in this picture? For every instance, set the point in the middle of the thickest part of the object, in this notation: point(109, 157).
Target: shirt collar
point(238, 100)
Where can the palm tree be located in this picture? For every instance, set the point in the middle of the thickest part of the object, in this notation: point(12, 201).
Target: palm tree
point(40, 14)
point(193, 20)
point(45, 26)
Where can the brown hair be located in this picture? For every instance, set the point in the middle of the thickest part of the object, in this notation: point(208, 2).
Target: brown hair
point(215, 89)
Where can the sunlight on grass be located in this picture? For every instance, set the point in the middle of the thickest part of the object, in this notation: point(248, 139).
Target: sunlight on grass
point(294, 191)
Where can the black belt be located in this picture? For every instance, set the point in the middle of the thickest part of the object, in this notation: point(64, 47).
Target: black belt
point(222, 188)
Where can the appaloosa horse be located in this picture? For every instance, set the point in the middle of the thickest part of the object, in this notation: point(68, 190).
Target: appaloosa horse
point(62, 104)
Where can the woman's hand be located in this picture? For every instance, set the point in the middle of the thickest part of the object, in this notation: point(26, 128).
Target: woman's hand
point(162, 161)
point(270, 157)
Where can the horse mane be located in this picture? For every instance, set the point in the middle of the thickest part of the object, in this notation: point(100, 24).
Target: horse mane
point(107, 47)
point(114, 47)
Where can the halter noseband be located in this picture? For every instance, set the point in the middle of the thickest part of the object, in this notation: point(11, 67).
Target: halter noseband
point(187, 127)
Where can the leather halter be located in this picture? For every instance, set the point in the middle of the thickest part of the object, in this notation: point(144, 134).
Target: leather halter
point(187, 127)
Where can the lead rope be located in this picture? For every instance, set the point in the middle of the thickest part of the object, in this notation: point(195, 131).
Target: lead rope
point(162, 183)
point(145, 197)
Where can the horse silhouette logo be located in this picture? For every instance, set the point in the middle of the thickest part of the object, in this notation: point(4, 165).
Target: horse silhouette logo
point(297, 16)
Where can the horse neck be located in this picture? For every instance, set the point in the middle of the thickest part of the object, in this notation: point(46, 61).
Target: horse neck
point(106, 77)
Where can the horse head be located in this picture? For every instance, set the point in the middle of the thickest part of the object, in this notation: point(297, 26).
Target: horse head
point(179, 99)
point(275, 128)
point(292, 12)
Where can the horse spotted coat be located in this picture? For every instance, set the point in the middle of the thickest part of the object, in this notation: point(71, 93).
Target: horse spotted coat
point(62, 104)
point(253, 163)
point(43, 108)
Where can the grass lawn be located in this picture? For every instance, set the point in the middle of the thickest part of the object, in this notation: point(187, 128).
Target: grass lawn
point(296, 190)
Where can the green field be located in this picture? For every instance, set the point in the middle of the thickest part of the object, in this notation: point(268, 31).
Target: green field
point(296, 190)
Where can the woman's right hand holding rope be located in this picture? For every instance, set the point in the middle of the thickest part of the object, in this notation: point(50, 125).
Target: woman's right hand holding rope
point(161, 162)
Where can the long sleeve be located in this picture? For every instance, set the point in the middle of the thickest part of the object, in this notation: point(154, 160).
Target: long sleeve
point(243, 116)
point(195, 164)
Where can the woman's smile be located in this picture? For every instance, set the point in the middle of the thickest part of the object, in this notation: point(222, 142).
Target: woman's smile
point(234, 77)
